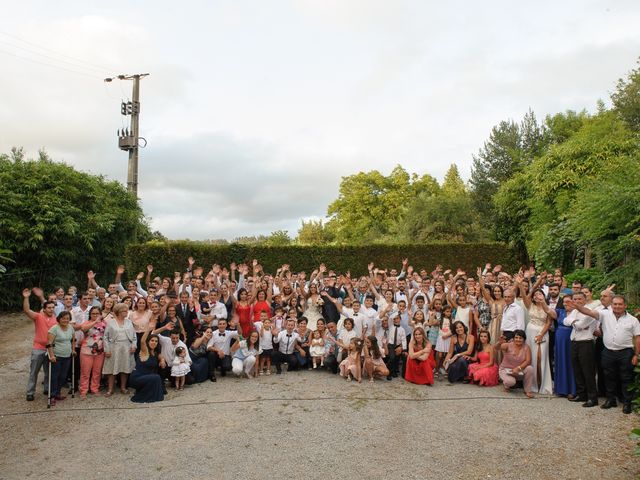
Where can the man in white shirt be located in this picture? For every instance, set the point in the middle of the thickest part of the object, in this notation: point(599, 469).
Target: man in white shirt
point(621, 337)
point(219, 350)
point(369, 316)
point(512, 316)
point(582, 353)
point(288, 342)
point(218, 309)
point(397, 347)
point(169, 345)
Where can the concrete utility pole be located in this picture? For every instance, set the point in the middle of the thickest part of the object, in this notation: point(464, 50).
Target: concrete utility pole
point(129, 139)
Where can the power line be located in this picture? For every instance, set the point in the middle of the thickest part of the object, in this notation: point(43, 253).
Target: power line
point(101, 67)
point(50, 65)
point(48, 57)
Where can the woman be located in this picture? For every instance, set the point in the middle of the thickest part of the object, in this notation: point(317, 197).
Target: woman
point(119, 347)
point(564, 381)
point(244, 355)
point(243, 311)
point(262, 303)
point(61, 346)
point(373, 361)
point(92, 353)
point(540, 318)
point(494, 297)
point(228, 300)
point(516, 363)
point(140, 316)
point(485, 370)
point(313, 306)
point(419, 368)
point(145, 377)
point(294, 305)
point(198, 354)
point(305, 340)
point(460, 351)
point(107, 309)
point(171, 317)
point(482, 311)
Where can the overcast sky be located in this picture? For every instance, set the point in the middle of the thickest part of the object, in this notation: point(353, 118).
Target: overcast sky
point(255, 109)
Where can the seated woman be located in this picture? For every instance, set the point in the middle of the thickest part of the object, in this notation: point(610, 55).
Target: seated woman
point(199, 358)
point(245, 353)
point(485, 370)
point(516, 363)
point(145, 377)
point(460, 351)
point(420, 364)
point(373, 361)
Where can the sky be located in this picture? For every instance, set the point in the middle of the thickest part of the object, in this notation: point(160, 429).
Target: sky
point(255, 109)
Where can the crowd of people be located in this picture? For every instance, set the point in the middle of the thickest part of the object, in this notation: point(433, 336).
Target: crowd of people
point(527, 328)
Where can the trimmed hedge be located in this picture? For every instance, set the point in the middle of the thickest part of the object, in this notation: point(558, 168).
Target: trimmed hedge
point(171, 256)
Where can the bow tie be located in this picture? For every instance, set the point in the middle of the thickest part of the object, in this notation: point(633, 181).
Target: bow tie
point(288, 334)
point(221, 334)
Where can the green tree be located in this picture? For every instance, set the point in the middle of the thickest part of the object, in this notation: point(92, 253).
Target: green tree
point(60, 223)
point(369, 204)
point(626, 98)
point(314, 232)
point(278, 238)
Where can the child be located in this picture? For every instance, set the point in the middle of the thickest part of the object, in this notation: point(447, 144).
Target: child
point(180, 367)
point(317, 349)
point(444, 338)
point(418, 320)
point(266, 330)
point(345, 336)
point(350, 366)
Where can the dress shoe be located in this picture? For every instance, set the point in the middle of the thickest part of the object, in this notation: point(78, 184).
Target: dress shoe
point(30, 398)
point(626, 408)
point(213, 378)
point(389, 377)
point(577, 399)
point(609, 404)
point(589, 404)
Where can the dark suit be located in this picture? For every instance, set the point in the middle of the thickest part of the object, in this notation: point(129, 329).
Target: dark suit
point(189, 320)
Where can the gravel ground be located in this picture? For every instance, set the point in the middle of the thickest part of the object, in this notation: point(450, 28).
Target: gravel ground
point(305, 425)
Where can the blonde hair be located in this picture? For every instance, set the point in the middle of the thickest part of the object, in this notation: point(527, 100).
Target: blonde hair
point(119, 308)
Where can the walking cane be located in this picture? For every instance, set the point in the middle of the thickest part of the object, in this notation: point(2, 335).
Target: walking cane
point(49, 390)
point(73, 372)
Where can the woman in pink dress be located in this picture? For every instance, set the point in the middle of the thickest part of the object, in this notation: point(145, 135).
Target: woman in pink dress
point(516, 363)
point(420, 363)
point(485, 370)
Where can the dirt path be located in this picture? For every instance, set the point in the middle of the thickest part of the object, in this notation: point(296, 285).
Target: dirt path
point(304, 425)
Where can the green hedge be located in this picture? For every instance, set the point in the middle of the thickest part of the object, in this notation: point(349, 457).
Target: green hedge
point(171, 256)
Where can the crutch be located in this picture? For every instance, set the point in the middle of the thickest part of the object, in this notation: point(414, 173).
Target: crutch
point(49, 390)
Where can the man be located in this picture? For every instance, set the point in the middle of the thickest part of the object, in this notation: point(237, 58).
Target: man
point(79, 315)
point(582, 353)
point(606, 297)
point(42, 322)
point(512, 316)
point(621, 337)
point(329, 309)
point(218, 309)
point(187, 314)
point(288, 342)
point(397, 347)
point(219, 350)
point(401, 293)
point(331, 348)
point(169, 345)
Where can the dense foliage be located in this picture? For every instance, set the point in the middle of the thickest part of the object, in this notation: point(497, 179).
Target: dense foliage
point(57, 223)
point(170, 257)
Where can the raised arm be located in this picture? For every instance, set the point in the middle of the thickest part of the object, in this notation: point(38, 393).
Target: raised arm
point(26, 308)
point(485, 294)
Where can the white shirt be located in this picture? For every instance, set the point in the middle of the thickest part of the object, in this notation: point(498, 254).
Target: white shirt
point(401, 338)
point(169, 349)
point(618, 333)
point(583, 326)
point(266, 339)
point(345, 337)
point(370, 319)
point(222, 340)
point(219, 311)
point(287, 341)
point(512, 318)
point(78, 317)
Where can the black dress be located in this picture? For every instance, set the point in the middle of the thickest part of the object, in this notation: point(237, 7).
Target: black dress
point(147, 382)
point(458, 369)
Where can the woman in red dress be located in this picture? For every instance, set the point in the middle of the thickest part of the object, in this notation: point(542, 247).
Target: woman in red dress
point(485, 371)
point(243, 311)
point(419, 369)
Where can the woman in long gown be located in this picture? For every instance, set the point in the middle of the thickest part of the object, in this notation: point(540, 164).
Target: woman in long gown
point(494, 297)
point(564, 382)
point(243, 310)
point(460, 351)
point(540, 318)
point(145, 377)
point(313, 306)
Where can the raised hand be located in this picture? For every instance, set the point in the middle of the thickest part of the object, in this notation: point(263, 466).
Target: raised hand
point(233, 267)
point(26, 293)
point(149, 268)
point(37, 291)
point(405, 262)
point(370, 266)
point(120, 269)
point(91, 275)
point(140, 276)
point(191, 261)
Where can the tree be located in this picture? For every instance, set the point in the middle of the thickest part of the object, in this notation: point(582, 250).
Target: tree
point(314, 233)
point(626, 99)
point(369, 204)
point(278, 239)
point(510, 148)
point(59, 223)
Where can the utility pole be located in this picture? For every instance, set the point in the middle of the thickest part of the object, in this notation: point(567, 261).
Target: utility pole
point(129, 139)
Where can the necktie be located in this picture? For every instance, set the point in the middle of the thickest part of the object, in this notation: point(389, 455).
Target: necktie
point(395, 336)
point(184, 310)
point(288, 340)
